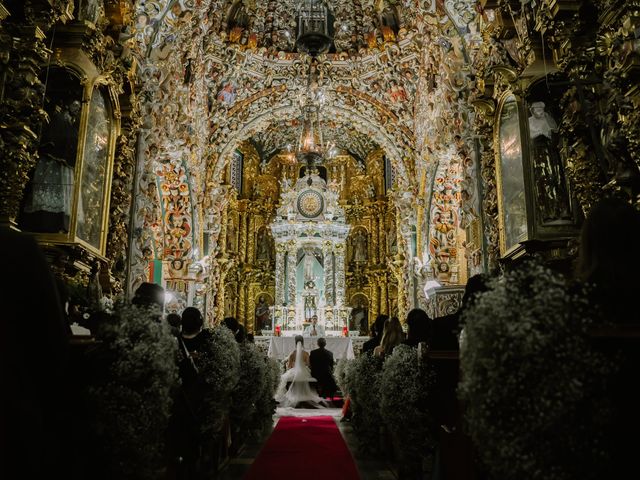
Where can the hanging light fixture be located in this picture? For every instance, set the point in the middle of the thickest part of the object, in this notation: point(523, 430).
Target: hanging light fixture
point(310, 144)
point(313, 39)
point(313, 28)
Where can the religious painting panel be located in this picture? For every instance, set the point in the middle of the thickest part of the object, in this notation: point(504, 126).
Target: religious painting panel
point(511, 175)
point(95, 169)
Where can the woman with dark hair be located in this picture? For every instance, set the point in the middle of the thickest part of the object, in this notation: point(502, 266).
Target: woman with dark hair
point(418, 327)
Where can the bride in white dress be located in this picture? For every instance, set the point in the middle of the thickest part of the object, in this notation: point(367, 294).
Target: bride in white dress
point(299, 376)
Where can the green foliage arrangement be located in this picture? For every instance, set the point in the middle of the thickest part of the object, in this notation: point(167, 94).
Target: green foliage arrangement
point(531, 381)
point(132, 374)
point(363, 380)
point(406, 406)
point(219, 366)
point(250, 386)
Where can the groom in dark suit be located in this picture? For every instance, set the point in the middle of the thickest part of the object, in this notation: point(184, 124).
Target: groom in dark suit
point(321, 362)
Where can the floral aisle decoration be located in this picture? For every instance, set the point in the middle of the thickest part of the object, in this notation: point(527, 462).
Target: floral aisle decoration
point(250, 386)
point(131, 377)
point(406, 406)
point(363, 381)
point(266, 403)
point(342, 375)
point(219, 366)
point(532, 383)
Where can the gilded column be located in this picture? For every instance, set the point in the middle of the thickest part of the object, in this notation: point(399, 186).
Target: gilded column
point(384, 303)
point(242, 233)
point(375, 301)
point(223, 231)
point(373, 228)
point(382, 246)
point(251, 237)
point(242, 302)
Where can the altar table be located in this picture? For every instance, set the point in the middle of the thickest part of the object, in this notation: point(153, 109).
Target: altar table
point(281, 347)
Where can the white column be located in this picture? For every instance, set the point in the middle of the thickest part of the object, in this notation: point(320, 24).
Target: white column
point(329, 290)
point(280, 275)
point(339, 253)
point(291, 272)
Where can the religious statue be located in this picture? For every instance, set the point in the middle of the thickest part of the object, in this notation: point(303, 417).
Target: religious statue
point(360, 247)
point(263, 251)
point(359, 320)
point(309, 298)
point(550, 183)
point(263, 315)
point(308, 267)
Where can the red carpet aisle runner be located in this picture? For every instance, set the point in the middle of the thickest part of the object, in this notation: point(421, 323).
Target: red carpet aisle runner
point(304, 448)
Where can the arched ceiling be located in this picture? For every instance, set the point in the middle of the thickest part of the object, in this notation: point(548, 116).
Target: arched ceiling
point(240, 56)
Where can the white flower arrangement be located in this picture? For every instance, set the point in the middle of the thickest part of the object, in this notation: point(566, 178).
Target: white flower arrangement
point(406, 405)
point(219, 366)
point(342, 375)
point(266, 404)
point(245, 396)
point(532, 383)
point(363, 383)
point(132, 374)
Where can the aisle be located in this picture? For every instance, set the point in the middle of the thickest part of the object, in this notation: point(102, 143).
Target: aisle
point(311, 447)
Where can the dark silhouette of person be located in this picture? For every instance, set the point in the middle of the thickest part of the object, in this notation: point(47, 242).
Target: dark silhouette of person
point(322, 363)
point(613, 276)
point(418, 327)
point(149, 295)
point(34, 366)
point(612, 286)
point(175, 322)
point(378, 327)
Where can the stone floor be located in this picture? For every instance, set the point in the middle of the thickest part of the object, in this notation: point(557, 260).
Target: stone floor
point(369, 468)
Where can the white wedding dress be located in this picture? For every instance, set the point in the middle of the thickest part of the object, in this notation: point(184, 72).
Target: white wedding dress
point(299, 391)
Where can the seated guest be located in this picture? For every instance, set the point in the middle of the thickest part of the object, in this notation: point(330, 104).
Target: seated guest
point(322, 363)
point(391, 336)
point(378, 326)
point(418, 327)
point(193, 334)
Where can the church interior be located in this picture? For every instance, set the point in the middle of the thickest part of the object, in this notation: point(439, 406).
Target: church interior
point(307, 167)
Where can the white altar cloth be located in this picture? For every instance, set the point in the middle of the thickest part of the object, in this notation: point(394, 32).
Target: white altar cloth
point(281, 347)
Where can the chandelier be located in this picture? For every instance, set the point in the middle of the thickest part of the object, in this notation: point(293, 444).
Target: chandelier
point(313, 28)
point(313, 39)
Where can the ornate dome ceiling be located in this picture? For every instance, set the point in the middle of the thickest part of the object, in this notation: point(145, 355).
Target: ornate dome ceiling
point(232, 66)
